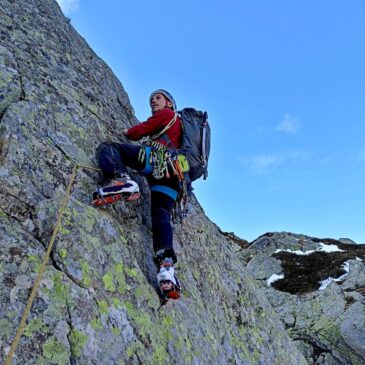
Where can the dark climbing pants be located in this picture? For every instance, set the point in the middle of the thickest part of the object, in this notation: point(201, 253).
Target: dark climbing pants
point(114, 158)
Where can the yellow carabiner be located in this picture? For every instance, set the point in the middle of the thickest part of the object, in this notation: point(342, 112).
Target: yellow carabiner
point(183, 162)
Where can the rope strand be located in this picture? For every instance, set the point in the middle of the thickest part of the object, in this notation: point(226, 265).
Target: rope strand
point(40, 273)
point(45, 260)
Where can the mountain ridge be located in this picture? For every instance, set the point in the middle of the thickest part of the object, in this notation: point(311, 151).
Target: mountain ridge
point(317, 288)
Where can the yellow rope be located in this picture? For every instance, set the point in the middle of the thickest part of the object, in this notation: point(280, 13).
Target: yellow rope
point(41, 270)
point(88, 167)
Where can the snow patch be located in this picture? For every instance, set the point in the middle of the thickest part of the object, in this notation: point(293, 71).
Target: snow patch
point(297, 252)
point(329, 248)
point(323, 248)
point(326, 282)
point(273, 278)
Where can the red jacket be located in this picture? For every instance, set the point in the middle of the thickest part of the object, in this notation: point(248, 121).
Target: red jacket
point(155, 124)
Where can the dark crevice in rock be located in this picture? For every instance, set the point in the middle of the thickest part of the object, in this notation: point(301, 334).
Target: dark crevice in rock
point(69, 335)
point(2, 114)
point(21, 81)
point(361, 290)
point(24, 213)
point(2, 211)
point(295, 319)
point(42, 193)
point(22, 92)
point(83, 106)
point(358, 289)
point(317, 349)
point(63, 269)
point(24, 216)
point(22, 95)
point(349, 302)
point(139, 360)
point(53, 261)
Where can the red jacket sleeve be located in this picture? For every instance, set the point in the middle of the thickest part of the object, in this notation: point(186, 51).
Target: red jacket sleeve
point(152, 125)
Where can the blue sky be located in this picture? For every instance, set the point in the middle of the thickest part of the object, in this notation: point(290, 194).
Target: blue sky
point(284, 85)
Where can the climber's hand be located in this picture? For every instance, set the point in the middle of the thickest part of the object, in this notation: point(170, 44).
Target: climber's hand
point(122, 133)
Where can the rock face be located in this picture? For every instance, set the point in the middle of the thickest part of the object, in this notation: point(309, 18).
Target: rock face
point(96, 303)
point(326, 318)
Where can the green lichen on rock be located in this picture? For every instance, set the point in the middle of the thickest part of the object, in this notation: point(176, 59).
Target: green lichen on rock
point(132, 272)
point(59, 289)
point(166, 327)
point(116, 331)
point(108, 281)
point(63, 253)
point(159, 356)
point(142, 320)
point(355, 359)
point(96, 324)
point(63, 231)
point(136, 347)
point(103, 306)
point(55, 352)
point(146, 292)
point(123, 239)
point(144, 323)
point(120, 277)
point(7, 327)
point(78, 340)
point(117, 303)
point(34, 262)
point(86, 271)
point(35, 325)
point(89, 219)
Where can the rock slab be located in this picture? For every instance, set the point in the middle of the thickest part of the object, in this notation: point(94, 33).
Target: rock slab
point(97, 303)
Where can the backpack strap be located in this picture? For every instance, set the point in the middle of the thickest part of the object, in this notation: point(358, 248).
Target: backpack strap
point(167, 127)
point(204, 152)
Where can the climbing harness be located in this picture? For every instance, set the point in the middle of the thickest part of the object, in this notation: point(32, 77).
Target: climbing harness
point(46, 257)
point(163, 160)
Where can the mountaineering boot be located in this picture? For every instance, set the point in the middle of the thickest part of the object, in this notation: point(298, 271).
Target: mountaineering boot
point(167, 280)
point(121, 186)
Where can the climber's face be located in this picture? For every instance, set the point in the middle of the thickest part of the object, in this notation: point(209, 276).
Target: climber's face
point(158, 102)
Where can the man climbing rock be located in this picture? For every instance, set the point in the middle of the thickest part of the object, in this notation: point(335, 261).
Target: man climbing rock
point(157, 162)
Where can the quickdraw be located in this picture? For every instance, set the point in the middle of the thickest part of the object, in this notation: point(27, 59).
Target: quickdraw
point(162, 159)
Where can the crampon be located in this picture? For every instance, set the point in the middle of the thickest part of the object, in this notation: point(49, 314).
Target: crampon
point(99, 201)
point(169, 290)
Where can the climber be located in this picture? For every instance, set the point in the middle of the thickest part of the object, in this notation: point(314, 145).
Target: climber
point(152, 160)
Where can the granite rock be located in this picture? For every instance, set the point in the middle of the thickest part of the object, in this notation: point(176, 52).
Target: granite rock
point(97, 302)
point(326, 322)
